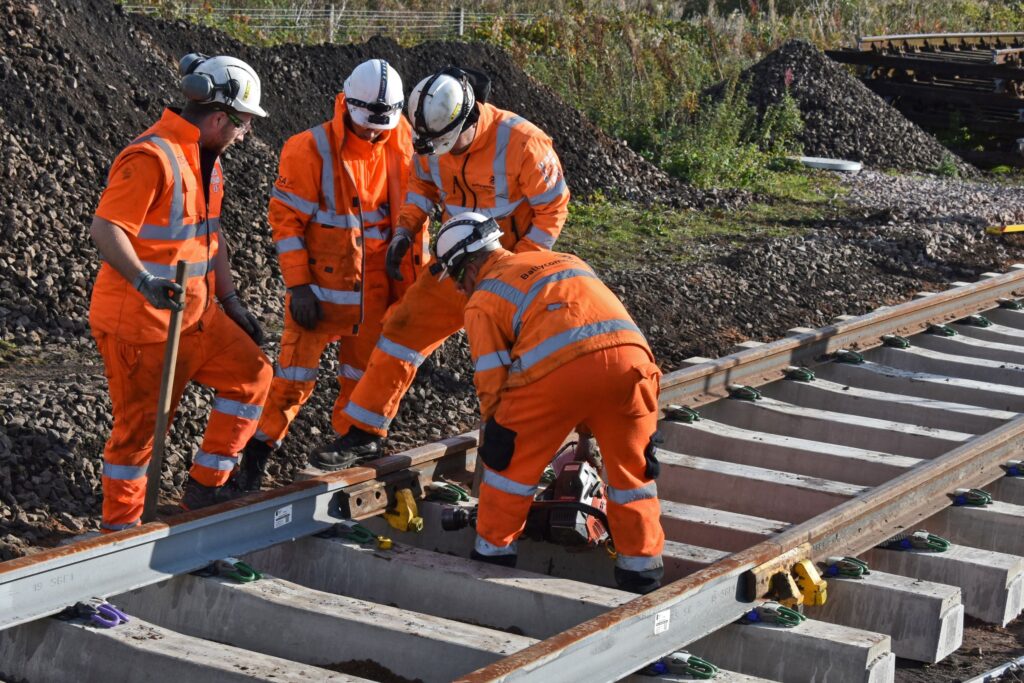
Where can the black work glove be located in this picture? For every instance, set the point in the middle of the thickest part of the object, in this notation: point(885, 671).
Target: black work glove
point(400, 244)
point(233, 306)
point(305, 307)
point(160, 292)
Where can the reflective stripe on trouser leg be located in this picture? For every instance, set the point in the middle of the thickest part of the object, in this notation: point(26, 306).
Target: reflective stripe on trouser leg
point(354, 351)
point(130, 370)
point(503, 507)
point(294, 380)
point(407, 330)
point(623, 427)
point(236, 368)
point(484, 547)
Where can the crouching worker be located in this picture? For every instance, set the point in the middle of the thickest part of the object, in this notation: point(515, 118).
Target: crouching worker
point(162, 205)
point(553, 347)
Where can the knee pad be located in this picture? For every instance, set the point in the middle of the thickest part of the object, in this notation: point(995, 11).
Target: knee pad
point(641, 582)
point(500, 560)
point(653, 467)
point(498, 447)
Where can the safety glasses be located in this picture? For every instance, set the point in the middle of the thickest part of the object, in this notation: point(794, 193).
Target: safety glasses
point(238, 123)
point(378, 107)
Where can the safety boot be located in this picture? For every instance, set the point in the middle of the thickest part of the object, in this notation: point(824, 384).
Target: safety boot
point(198, 496)
point(641, 582)
point(345, 451)
point(254, 465)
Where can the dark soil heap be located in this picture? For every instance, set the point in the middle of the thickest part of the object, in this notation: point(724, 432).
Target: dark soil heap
point(843, 119)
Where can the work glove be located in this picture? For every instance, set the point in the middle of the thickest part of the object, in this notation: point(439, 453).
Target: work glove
point(160, 292)
point(400, 244)
point(233, 306)
point(305, 307)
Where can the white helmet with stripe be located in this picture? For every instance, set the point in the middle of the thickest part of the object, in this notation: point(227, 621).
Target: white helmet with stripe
point(373, 92)
point(462, 235)
point(440, 106)
point(222, 80)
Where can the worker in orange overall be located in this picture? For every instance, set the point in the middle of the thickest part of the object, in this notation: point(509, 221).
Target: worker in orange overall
point(162, 204)
point(470, 156)
point(553, 347)
point(332, 211)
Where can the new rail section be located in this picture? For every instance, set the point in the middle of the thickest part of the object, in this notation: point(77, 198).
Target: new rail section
point(778, 457)
point(950, 81)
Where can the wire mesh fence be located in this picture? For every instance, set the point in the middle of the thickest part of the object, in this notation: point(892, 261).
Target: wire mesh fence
point(334, 23)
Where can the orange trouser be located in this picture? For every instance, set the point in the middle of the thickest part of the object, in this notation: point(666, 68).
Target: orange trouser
point(215, 352)
point(427, 314)
point(299, 362)
point(615, 392)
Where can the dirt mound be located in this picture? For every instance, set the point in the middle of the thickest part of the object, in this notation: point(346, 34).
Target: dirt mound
point(843, 119)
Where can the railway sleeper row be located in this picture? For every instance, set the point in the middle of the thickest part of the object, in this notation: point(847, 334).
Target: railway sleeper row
point(750, 467)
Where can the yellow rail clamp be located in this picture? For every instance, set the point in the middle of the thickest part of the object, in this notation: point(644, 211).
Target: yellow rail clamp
point(405, 515)
point(814, 588)
point(1003, 229)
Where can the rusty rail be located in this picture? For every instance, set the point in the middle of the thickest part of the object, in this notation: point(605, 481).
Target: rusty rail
point(711, 598)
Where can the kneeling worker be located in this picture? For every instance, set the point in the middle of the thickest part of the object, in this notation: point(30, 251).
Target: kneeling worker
point(553, 347)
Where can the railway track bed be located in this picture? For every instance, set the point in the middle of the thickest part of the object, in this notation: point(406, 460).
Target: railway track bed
point(823, 444)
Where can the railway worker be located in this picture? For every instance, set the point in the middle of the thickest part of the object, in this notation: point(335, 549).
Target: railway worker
point(553, 347)
point(332, 211)
point(470, 156)
point(162, 204)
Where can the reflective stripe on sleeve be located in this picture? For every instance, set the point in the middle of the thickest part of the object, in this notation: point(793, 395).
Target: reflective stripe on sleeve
point(494, 360)
point(419, 201)
point(495, 480)
point(549, 195)
point(294, 201)
point(289, 244)
point(538, 236)
point(246, 411)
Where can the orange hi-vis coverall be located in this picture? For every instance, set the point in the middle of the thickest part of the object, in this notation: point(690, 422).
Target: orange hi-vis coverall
point(155, 194)
point(511, 173)
point(332, 210)
point(553, 347)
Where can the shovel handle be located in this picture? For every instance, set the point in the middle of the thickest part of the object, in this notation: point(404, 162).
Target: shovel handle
point(163, 409)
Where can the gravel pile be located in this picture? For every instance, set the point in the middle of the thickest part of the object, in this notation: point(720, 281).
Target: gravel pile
point(843, 119)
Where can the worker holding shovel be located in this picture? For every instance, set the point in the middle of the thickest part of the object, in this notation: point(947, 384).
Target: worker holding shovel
point(162, 206)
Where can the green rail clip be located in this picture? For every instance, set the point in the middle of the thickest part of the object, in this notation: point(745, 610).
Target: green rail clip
point(798, 374)
point(975, 321)
point(1011, 304)
point(895, 341)
point(742, 392)
point(677, 413)
point(942, 331)
point(847, 356)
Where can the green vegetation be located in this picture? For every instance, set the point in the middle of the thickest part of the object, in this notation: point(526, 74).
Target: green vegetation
point(607, 232)
point(638, 69)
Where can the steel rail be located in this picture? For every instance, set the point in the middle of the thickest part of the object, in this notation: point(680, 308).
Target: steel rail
point(625, 639)
point(939, 40)
point(45, 583)
point(927, 65)
point(706, 382)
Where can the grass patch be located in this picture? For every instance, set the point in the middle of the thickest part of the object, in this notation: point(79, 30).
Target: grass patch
point(608, 233)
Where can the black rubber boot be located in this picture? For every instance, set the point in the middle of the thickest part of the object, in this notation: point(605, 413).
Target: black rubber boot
point(346, 451)
point(500, 560)
point(254, 465)
point(641, 582)
point(198, 496)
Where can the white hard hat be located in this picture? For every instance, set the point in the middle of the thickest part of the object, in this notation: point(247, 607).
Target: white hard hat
point(373, 92)
point(462, 235)
point(223, 80)
point(439, 106)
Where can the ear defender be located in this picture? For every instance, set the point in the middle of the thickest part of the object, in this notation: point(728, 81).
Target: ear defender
point(200, 87)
